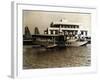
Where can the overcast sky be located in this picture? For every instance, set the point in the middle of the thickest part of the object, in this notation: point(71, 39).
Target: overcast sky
point(42, 19)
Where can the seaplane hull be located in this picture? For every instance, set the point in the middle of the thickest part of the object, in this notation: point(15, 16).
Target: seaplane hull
point(76, 43)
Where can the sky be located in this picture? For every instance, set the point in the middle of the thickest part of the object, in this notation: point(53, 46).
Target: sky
point(42, 19)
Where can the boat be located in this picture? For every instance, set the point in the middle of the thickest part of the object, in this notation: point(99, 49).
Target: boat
point(51, 46)
point(79, 41)
point(71, 42)
point(76, 43)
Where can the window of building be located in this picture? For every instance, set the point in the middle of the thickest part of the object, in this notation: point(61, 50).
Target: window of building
point(76, 32)
point(76, 26)
point(65, 26)
point(68, 26)
point(73, 26)
point(82, 32)
point(62, 26)
point(56, 31)
point(51, 31)
point(86, 33)
point(56, 26)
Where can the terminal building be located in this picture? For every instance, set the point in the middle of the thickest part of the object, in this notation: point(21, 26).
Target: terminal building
point(69, 29)
point(61, 34)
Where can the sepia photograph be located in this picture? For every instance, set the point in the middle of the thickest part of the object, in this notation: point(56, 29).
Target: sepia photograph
point(54, 39)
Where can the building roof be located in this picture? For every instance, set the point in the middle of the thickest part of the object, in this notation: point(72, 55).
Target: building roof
point(65, 22)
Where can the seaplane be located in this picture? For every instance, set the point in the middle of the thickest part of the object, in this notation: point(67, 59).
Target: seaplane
point(50, 41)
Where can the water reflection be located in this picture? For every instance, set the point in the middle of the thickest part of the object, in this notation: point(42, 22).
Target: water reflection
point(58, 57)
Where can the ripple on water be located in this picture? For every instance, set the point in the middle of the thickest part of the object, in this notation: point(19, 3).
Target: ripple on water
point(57, 57)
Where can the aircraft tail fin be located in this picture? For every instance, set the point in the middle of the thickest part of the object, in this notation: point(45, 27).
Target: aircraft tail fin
point(27, 33)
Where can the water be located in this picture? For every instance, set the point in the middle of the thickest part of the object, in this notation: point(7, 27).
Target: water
point(34, 58)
